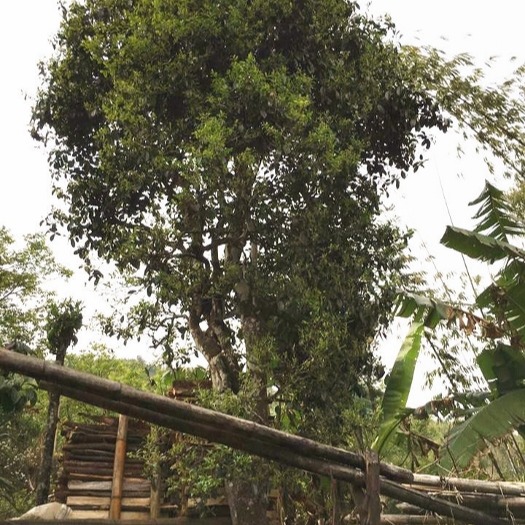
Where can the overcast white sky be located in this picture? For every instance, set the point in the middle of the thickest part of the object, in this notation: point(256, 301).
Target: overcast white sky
point(479, 27)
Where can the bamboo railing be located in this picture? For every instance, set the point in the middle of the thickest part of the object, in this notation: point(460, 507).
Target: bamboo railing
point(248, 436)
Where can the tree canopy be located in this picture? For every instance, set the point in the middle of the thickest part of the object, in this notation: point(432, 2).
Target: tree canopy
point(233, 155)
point(23, 308)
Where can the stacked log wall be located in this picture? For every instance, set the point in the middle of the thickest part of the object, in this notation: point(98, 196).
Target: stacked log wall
point(86, 470)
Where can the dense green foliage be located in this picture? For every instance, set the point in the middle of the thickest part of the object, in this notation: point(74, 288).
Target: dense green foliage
point(23, 296)
point(101, 362)
point(23, 308)
point(231, 157)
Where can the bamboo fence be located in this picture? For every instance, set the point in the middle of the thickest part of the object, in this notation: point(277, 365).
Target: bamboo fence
point(420, 491)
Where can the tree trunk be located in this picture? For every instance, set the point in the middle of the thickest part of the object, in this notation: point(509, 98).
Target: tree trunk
point(248, 501)
point(247, 498)
point(46, 463)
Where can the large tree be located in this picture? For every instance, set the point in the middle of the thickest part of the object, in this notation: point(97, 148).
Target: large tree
point(231, 157)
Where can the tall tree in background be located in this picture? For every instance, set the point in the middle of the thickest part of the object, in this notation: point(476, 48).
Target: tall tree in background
point(23, 307)
point(23, 297)
point(63, 322)
point(230, 156)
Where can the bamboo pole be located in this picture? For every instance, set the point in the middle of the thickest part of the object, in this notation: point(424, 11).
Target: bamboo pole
point(507, 488)
point(118, 468)
point(47, 371)
point(285, 456)
point(63, 376)
point(234, 432)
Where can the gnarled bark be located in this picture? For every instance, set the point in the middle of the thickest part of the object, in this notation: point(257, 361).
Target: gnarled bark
point(247, 497)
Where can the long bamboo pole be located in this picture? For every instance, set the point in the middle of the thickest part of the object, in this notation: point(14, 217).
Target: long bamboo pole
point(284, 456)
point(234, 432)
point(38, 369)
point(119, 464)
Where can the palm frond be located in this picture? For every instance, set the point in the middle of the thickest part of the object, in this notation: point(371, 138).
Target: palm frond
point(495, 215)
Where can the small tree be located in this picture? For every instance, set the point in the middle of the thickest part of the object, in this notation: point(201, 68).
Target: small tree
point(63, 323)
point(23, 308)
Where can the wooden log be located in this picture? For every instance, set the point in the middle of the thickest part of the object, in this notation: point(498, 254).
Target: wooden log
point(97, 470)
point(130, 485)
point(132, 519)
point(71, 447)
point(402, 519)
point(490, 503)
point(240, 434)
point(118, 468)
point(63, 377)
point(509, 488)
point(286, 456)
point(102, 502)
point(156, 493)
point(373, 503)
point(397, 519)
point(89, 474)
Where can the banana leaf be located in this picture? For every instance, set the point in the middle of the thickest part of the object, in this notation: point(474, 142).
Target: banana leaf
point(430, 311)
point(503, 368)
point(491, 422)
point(398, 385)
point(479, 246)
point(495, 215)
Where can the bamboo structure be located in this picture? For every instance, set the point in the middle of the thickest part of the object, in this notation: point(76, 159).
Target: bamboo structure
point(115, 505)
point(240, 434)
point(86, 470)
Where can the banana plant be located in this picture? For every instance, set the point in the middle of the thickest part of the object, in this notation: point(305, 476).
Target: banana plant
point(502, 324)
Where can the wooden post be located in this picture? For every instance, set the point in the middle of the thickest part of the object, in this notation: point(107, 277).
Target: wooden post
point(372, 499)
point(118, 468)
point(156, 493)
point(337, 511)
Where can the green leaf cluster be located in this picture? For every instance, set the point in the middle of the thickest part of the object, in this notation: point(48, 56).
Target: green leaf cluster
point(230, 159)
point(501, 325)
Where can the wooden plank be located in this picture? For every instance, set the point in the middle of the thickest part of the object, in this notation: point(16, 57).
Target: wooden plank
point(104, 501)
point(138, 520)
point(101, 516)
point(130, 485)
